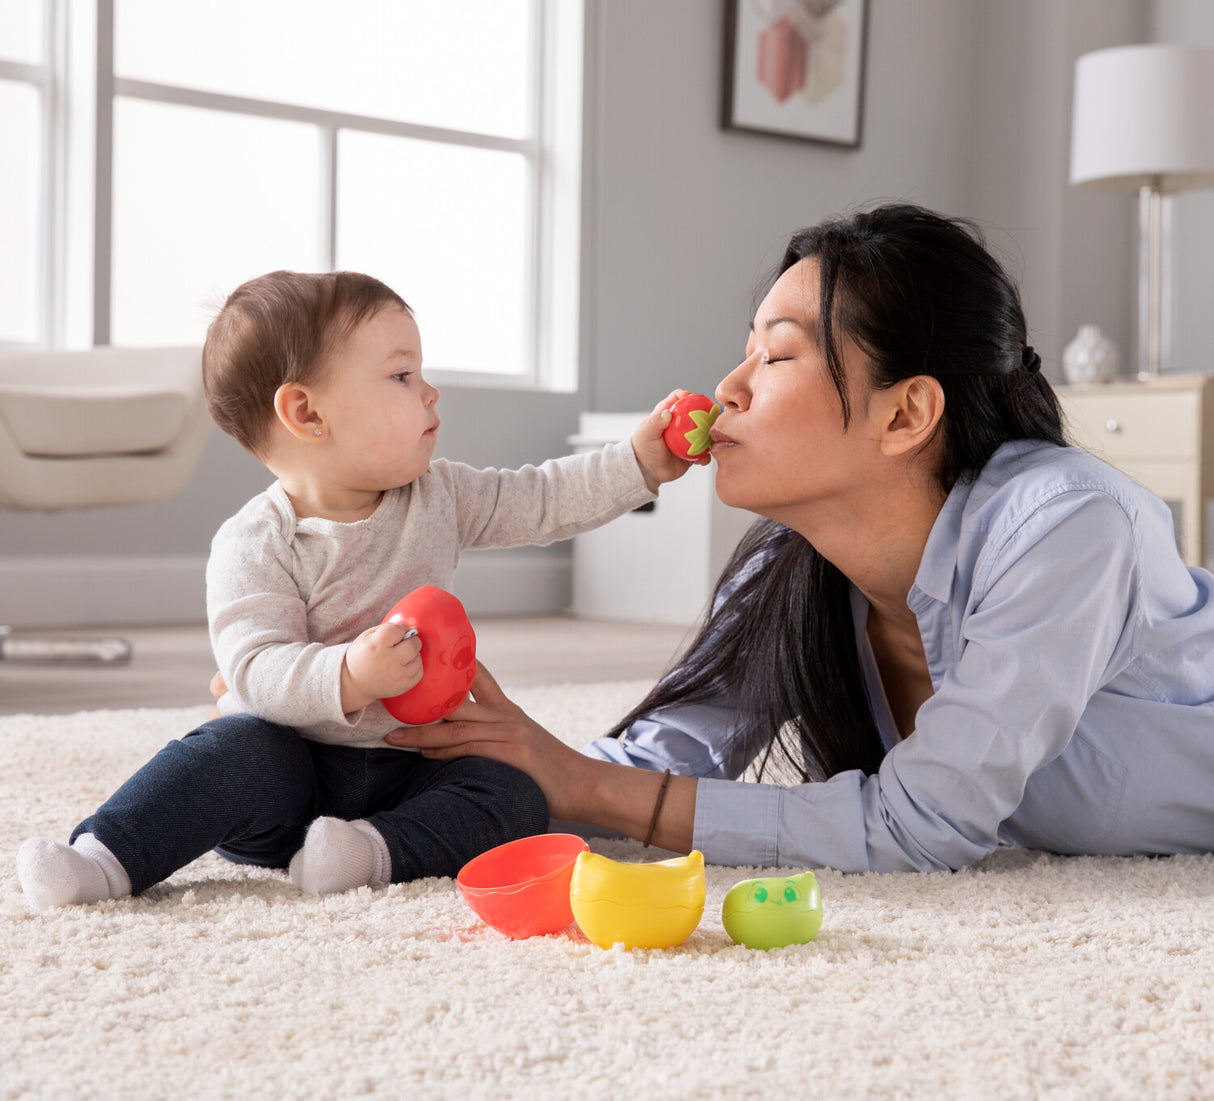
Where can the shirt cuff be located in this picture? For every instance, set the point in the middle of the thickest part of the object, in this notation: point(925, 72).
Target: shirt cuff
point(737, 823)
point(622, 752)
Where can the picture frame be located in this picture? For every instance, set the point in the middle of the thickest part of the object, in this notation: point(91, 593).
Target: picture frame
point(795, 69)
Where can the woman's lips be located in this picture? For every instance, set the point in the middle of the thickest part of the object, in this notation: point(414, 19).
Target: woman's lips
point(721, 442)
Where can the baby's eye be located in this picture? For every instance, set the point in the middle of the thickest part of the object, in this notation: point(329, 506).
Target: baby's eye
point(403, 376)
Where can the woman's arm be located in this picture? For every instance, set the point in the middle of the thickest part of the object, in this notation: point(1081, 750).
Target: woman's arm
point(600, 793)
point(631, 801)
point(1036, 646)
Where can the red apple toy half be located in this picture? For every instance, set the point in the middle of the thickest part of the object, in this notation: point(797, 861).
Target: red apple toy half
point(448, 655)
point(690, 420)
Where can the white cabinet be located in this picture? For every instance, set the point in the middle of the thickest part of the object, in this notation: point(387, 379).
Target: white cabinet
point(658, 564)
point(1161, 433)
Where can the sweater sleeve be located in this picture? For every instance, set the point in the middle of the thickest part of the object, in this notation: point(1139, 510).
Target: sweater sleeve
point(259, 632)
point(538, 505)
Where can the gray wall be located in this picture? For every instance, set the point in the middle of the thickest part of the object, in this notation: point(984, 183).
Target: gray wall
point(967, 109)
point(688, 216)
point(1193, 218)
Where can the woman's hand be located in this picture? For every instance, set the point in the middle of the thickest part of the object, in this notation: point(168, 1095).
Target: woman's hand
point(490, 725)
point(217, 688)
point(578, 788)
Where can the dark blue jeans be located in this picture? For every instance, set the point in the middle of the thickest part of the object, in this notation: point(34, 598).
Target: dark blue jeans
point(250, 789)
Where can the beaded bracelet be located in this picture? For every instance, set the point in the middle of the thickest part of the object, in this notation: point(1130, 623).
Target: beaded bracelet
point(657, 807)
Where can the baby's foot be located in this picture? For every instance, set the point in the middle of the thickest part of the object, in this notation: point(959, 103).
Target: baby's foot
point(339, 856)
point(53, 874)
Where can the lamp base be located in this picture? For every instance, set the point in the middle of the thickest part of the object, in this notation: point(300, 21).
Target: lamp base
point(1154, 280)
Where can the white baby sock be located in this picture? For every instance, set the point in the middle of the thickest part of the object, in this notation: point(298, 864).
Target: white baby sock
point(338, 856)
point(53, 874)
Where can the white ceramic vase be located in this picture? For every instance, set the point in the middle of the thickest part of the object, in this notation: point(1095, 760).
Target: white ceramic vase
point(1090, 358)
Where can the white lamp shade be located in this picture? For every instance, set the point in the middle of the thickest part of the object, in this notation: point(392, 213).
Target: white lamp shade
point(1144, 116)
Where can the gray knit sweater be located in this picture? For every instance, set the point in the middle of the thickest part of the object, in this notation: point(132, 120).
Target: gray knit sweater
point(286, 596)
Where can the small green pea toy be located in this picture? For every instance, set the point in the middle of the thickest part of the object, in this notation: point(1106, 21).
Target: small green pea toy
point(774, 912)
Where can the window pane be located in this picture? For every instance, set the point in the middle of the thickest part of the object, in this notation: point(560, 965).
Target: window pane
point(462, 66)
point(21, 30)
point(19, 212)
point(204, 200)
point(443, 226)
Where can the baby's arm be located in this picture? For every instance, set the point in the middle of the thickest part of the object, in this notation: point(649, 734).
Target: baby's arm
point(537, 505)
point(268, 662)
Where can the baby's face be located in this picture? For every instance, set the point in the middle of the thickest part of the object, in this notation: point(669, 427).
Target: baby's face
point(381, 416)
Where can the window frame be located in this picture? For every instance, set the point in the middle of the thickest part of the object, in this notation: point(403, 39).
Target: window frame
point(42, 77)
point(76, 285)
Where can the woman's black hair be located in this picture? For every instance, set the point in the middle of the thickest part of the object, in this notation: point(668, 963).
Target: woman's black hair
point(919, 294)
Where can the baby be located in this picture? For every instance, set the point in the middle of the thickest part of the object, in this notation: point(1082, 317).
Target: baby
point(320, 377)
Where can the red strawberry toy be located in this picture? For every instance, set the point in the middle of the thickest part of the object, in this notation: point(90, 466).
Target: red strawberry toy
point(690, 419)
point(448, 655)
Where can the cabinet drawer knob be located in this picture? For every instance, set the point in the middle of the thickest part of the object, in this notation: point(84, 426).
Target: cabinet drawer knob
point(1112, 425)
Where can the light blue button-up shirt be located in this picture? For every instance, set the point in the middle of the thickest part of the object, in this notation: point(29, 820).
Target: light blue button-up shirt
point(1072, 661)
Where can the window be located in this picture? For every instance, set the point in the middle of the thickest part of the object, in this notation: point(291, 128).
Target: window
point(24, 99)
point(435, 146)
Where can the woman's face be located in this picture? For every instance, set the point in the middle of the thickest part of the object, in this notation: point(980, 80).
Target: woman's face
point(780, 445)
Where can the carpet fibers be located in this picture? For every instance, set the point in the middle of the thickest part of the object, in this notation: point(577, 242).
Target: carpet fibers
point(1027, 976)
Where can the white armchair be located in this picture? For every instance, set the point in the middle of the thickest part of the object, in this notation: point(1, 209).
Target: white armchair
point(103, 426)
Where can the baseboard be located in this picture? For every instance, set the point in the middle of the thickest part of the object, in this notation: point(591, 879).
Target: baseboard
point(70, 591)
point(87, 591)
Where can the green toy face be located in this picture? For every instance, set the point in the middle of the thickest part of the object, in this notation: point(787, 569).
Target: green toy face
point(774, 912)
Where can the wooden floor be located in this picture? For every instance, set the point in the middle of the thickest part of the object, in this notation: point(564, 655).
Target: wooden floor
point(171, 666)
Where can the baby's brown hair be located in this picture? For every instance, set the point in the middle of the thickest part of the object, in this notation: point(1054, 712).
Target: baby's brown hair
point(275, 329)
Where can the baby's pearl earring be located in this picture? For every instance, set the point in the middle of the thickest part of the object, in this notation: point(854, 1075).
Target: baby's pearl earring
point(318, 431)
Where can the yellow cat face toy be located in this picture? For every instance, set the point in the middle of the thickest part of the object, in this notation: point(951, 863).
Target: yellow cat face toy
point(774, 912)
point(655, 905)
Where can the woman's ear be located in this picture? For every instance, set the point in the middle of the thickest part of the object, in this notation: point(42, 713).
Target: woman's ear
point(296, 410)
point(915, 406)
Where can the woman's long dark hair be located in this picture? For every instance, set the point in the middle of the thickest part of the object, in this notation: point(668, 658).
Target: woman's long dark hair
point(920, 295)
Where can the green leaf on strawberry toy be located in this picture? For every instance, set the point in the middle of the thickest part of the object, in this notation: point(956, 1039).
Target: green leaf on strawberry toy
point(691, 418)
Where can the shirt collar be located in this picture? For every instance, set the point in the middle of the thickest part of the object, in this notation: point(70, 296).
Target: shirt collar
point(938, 566)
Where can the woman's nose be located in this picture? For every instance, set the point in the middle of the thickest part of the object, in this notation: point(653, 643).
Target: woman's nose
point(734, 389)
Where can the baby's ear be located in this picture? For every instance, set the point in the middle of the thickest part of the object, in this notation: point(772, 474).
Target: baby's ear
point(295, 409)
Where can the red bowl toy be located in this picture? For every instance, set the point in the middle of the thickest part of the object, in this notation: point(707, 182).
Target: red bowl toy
point(448, 655)
point(521, 888)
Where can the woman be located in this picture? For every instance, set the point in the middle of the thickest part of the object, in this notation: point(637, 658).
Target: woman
point(957, 630)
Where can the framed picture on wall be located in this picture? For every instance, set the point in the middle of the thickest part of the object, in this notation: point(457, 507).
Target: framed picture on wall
point(795, 68)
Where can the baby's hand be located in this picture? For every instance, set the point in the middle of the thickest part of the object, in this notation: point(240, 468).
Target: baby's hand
point(658, 464)
point(383, 661)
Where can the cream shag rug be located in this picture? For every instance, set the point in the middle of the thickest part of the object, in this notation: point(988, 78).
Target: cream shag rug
point(1028, 976)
